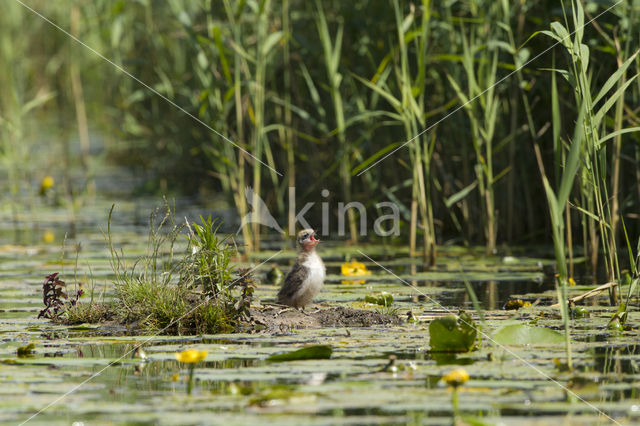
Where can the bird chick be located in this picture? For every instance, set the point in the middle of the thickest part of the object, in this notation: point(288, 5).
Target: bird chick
point(306, 277)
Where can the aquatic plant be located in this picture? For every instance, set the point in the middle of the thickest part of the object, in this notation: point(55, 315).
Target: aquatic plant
point(308, 352)
point(455, 379)
point(192, 291)
point(453, 333)
point(55, 299)
point(585, 159)
point(206, 265)
point(190, 357)
point(354, 269)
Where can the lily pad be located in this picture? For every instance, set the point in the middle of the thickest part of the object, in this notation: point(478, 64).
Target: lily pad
point(309, 352)
point(453, 333)
point(522, 334)
point(26, 351)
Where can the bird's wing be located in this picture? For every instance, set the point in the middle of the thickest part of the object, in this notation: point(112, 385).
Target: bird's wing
point(293, 281)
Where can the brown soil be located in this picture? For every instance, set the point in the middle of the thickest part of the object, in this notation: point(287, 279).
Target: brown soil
point(281, 317)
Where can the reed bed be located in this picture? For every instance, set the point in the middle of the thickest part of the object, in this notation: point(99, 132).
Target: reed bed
point(509, 106)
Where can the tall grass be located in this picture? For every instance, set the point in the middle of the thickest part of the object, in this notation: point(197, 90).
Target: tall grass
point(185, 291)
point(405, 92)
point(322, 90)
point(586, 148)
point(481, 102)
point(331, 50)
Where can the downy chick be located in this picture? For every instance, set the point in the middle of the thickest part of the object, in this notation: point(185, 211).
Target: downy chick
point(306, 277)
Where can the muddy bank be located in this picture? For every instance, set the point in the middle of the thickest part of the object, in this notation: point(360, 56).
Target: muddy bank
point(279, 317)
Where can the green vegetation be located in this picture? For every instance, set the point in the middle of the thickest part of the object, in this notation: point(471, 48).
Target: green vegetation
point(308, 352)
point(453, 333)
point(499, 124)
point(194, 292)
point(236, 93)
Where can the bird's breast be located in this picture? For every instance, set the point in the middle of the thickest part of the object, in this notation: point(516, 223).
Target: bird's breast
point(316, 269)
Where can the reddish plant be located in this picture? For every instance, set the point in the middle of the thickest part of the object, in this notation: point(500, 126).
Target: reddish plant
point(54, 296)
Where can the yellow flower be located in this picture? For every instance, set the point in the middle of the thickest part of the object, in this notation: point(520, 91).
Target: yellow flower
point(571, 282)
point(48, 237)
point(191, 356)
point(354, 269)
point(456, 377)
point(47, 182)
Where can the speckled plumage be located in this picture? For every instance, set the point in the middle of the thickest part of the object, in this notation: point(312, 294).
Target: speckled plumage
point(306, 277)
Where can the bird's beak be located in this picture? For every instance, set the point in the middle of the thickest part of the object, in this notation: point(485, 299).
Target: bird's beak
point(313, 238)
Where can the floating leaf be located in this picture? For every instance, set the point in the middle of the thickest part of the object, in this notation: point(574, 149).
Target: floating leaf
point(26, 351)
point(516, 304)
point(521, 334)
point(452, 333)
point(308, 352)
point(580, 312)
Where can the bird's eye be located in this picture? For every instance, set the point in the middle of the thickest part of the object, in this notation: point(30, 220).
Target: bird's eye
point(305, 236)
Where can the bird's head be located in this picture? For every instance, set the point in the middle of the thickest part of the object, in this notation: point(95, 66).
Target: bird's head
point(307, 239)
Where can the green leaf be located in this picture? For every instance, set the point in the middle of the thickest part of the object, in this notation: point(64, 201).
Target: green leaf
point(522, 334)
point(614, 79)
point(452, 333)
point(573, 160)
point(460, 194)
point(375, 156)
point(584, 57)
point(385, 94)
point(270, 42)
point(611, 101)
point(618, 132)
point(562, 33)
point(308, 352)
point(217, 38)
point(632, 260)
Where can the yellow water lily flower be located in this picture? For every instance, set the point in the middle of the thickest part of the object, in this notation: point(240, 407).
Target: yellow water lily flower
point(48, 237)
point(571, 282)
point(46, 183)
point(191, 356)
point(456, 377)
point(354, 269)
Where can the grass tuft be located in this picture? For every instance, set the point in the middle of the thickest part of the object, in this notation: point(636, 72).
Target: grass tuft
point(160, 292)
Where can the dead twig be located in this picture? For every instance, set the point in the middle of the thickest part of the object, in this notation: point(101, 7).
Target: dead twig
point(590, 293)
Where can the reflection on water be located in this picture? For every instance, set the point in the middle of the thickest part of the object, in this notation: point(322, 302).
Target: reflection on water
point(491, 295)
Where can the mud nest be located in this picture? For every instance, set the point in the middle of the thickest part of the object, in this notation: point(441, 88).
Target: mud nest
point(279, 317)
